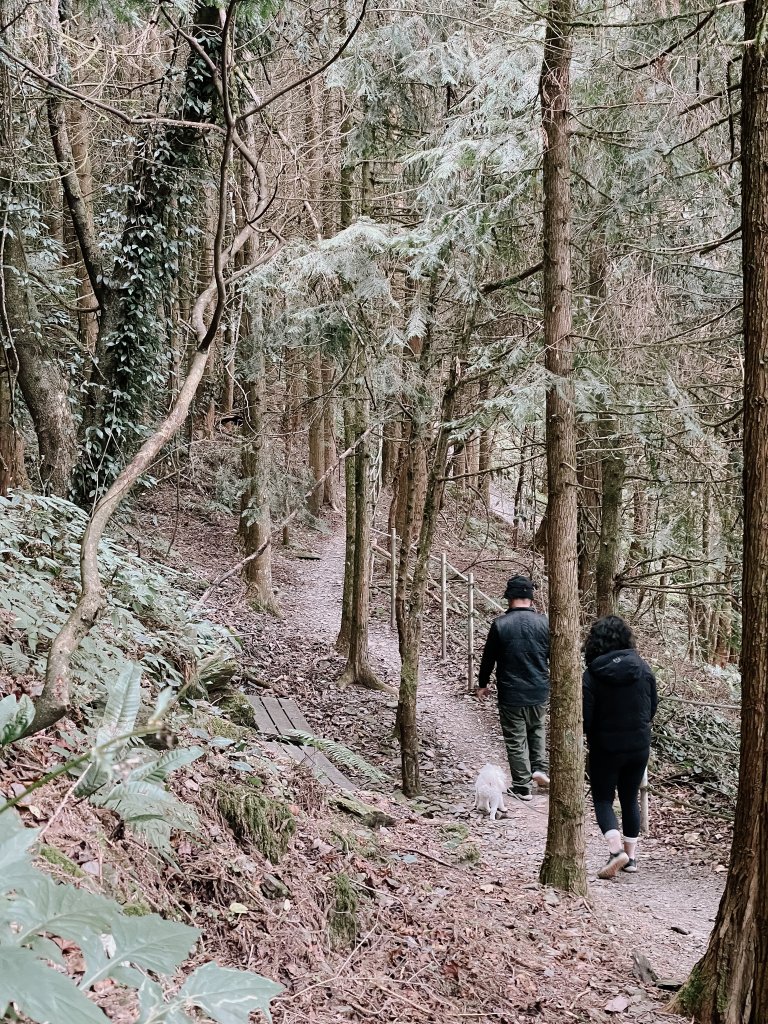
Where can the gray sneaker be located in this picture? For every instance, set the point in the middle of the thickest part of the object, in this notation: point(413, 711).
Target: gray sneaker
point(630, 867)
point(541, 779)
point(521, 792)
point(613, 865)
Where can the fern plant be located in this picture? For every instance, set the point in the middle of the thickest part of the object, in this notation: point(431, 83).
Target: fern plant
point(337, 752)
point(130, 951)
point(131, 781)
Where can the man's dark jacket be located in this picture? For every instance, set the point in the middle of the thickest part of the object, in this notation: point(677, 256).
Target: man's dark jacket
point(518, 645)
point(620, 700)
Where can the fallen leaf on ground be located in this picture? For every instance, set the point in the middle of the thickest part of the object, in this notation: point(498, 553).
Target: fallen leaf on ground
point(617, 1005)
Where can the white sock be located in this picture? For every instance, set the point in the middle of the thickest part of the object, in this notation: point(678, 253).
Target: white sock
point(613, 838)
point(630, 845)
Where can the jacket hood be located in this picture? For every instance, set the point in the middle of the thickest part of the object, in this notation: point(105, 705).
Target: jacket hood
point(617, 668)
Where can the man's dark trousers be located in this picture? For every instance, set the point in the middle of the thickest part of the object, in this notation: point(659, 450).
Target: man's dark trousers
point(524, 731)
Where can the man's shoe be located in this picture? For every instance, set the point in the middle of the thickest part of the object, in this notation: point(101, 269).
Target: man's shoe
point(616, 862)
point(630, 867)
point(541, 779)
point(521, 792)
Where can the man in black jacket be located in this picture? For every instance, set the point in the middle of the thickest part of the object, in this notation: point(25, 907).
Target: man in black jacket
point(518, 645)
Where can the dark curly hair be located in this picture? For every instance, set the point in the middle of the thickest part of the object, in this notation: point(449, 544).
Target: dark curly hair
point(610, 633)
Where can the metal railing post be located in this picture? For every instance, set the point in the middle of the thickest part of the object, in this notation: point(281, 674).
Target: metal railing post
point(471, 633)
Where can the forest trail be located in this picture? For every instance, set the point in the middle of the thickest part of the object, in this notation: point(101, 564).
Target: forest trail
point(665, 894)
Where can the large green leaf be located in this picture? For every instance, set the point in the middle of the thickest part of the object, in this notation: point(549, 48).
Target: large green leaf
point(15, 716)
point(46, 906)
point(42, 993)
point(15, 841)
point(159, 770)
point(149, 942)
point(229, 996)
point(154, 1008)
point(123, 705)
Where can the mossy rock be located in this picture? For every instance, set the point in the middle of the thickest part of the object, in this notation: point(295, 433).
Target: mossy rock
point(369, 816)
point(238, 708)
point(262, 820)
point(60, 860)
point(218, 726)
point(342, 916)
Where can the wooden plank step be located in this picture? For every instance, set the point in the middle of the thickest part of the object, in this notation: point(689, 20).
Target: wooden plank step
point(283, 716)
point(265, 724)
point(299, 722)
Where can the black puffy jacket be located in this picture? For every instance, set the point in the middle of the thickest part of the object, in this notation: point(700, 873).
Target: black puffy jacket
point(518, 645)
point(619, 693)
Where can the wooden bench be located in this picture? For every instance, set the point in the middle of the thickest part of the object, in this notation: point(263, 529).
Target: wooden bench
point(281, 715)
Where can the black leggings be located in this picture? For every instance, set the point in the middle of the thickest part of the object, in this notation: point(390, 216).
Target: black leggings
point(609, 772)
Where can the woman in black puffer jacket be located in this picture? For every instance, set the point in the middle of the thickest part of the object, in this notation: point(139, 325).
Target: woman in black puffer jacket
point(619, 692)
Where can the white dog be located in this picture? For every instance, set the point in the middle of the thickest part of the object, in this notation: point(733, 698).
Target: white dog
point(489, 790)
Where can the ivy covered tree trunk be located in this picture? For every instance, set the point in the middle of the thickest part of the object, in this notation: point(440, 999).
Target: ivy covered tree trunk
point(125, 373)
point(730, 984)
point(563, 865)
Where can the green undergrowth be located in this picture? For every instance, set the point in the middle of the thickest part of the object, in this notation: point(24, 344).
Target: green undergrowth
point(697, 746)
point(255, 816)
point(458, 843)
point(343, 910)
point(148, 619)
point(60, 861)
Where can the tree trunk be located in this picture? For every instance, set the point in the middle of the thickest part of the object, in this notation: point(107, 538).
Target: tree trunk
point(614, 470)
point(12, 472)
point(38, 373)
point(563, 865)
point(358, 669)
point(316, 417)
point(345, 629)
point(329, 434)
point(88, 325)
point(730, 984)
point(590, 487)
point(257, 519)
point(410, 600)
point(41, 381)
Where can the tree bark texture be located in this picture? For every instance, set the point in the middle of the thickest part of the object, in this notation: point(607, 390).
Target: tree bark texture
point(563, 865)
point(730, 984)
point(614, 470)
point(329, 434)
point(358, 669)
point(257, 522)
point(345, 629)
point(32, 357)
point(409, 604)
point(315, 429)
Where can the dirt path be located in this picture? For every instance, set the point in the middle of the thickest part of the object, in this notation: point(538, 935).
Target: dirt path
point(460, 736)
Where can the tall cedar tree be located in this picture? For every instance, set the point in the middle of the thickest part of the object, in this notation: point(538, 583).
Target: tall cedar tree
point(563, 865)
point(730, 984)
